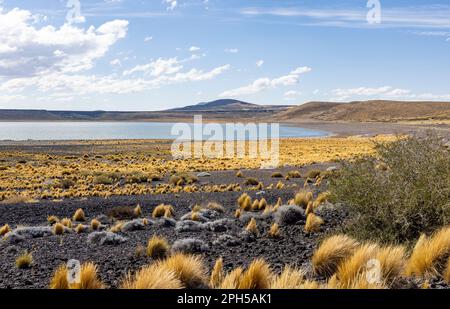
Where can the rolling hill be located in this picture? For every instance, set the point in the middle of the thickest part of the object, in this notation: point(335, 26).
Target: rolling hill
point(367, 111)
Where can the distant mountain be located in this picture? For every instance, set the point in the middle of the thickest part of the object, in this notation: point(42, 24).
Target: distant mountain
point(229, 105)
point(222, 110)
point(375, 110)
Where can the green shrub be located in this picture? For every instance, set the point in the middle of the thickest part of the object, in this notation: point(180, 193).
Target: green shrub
point(402, 193)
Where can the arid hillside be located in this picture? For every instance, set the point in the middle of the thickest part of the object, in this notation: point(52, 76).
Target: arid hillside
point(366, 111)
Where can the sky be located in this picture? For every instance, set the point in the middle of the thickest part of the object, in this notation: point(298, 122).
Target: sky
point(159, 54)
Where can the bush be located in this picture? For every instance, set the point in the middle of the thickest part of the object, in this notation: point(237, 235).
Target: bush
point(397, 203)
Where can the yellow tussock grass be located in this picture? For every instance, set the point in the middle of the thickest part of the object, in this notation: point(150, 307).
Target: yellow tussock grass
point(216, 206)
point(274, 231)
point(217, 274)
point(59, 279)
point(52, 219)
point(237, 213)
point(430, 254)
point(58, 229)
point(89, 279)
point(280, 185)
point(262, 204)
point(95, 224)
point(290, 278)
point(157, 247)
point(302, 198)
point(352, 267)
point(322, 198)
point(67, 222)
point(331, 253)
point(24, 260)
point(239, 174)
point(392, 261)
point(117, 227)
point(163, 211)
point(309, 209)
point(5, 230)
point(80, 229)
point(152, 277)
point(79, 216)
point(189, 269)
point(446, 274)
point(255, 205)
point(257, 276)
point(252, 227)
point(196, 208)
point(313, 223)
point(232, 279)
point(138, 211)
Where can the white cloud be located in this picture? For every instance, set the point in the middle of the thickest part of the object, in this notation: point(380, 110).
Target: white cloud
point(157, 67)
point(259, 63)
point(26, 50)
point(115, 62)
point(386, 91)
point(194, 49)
point(291, 94)
point(148, 38)
point(262, 84)
point(232, 50)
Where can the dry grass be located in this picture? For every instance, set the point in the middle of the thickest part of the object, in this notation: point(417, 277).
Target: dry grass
point(232, 279)
point(290, 278)
point(331, 253)
point(52, 219)
point(276, 175)
point(215, 206)
point(163, 211)
point(251, 181)
point(294, 174)
point(89, 279)
point(446, 274)
point(67, 222)
point(189, 269)
point(58, 229)
point(138, 211)
point(79, 216)
point(262, 204)
point(95, 224)
point(252, 227)
point(80, 229)
point(430, 254)
point(392, 261)
point(239, 174)
point(157, 247)
point(313, 223)
point(255, 205)
point(257, 276)
point(237, 213)
point(24, 260)
point(350, 269)
point(59, 278)
point(274, 231)
point(5, 230)
point(302, 198)
point(321, 198)
point(152, 277)
point(217, 274)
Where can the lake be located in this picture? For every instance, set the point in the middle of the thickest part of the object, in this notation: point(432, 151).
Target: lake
point(19, 131)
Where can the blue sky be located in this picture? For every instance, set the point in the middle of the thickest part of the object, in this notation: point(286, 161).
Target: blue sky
point(158, 54)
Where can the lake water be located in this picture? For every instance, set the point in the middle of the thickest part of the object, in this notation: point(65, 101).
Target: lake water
point(113, 130)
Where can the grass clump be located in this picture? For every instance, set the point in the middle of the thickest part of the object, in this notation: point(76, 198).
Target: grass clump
point(217, 274)
point(79, 216)
point(430, 254)
point(157, 247)
point(137, 211)
point(152, 277)
point(66, 222)
point(95, 224)
point(251, 181)
point(410, 197)
point(274, 231)
point(252, 227)
point(331, 252)
point(313, 223)
point(52, 219)
point(290, 278)
point(277, 175)
point(5, 230)
point(302, 198)
point(58, 229)
point(59, 279)
point(163, 211)
point(24, 260)
point(189, 269)
point(257, 276)
point(294, 174)
point(122, 213)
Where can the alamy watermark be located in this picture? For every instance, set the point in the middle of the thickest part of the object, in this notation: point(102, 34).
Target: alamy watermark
point(374, 14)
point(73, 272)
point(229, 140)
point(74, 16)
